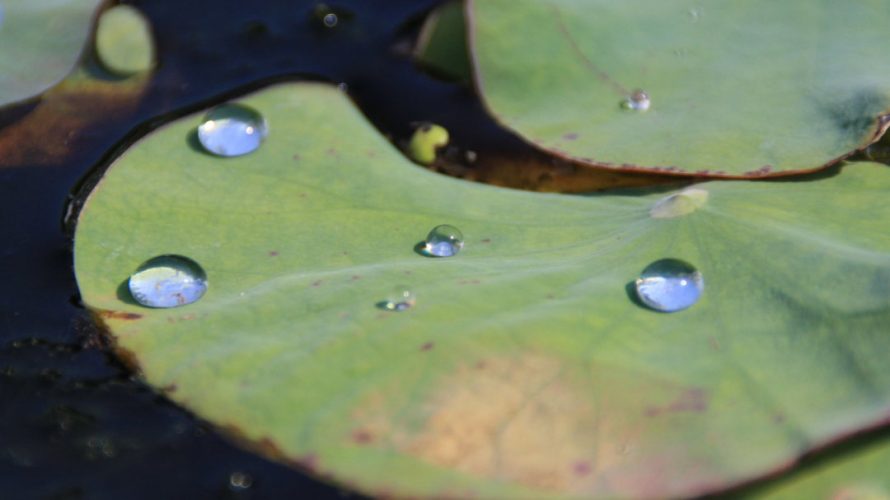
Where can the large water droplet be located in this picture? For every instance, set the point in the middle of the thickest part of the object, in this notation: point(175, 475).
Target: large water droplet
point(232, 130)
point(637, 101)
point(401, 298)
point(168, 281)
point(443, 241)
point(670, 285)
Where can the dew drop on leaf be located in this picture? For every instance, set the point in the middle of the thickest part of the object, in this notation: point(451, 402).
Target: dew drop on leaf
point(232, 130)
point(443, 241)
point(638, 100)
point(400, 298)
point(669, 285)
point(168, 281)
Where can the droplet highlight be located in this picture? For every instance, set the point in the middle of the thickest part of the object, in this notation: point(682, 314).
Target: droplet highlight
point(443, 241)
point(330, 20)
point(400, 298)
point(232, 130)
point(638, 100)
point(669, 285)
point(168, 281)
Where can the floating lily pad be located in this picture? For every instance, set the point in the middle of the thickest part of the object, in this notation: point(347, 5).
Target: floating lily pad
point(525, 365)
point(736, 90)
point(40, 42)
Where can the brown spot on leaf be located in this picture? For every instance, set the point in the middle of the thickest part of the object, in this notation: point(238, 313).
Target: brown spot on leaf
point(469, 282)
point(527, 418)
point(317, 283)
point(273, 253)
point(296, 157)
point(427, 346)
point(486, 240)
point(355, 277)
point(693, 400)
point(582, 468)
point(362, 436)
point(570, 136)
point(764, 170)
point(109, 314)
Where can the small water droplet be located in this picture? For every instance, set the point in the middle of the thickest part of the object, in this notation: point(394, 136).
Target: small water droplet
point(240, 481)
point(443, 241)
point(330, 20)
point(401, 298)
point(638, 100)
point(232, 130)
point(695, 14)
point(168, 281)
point(670, 285)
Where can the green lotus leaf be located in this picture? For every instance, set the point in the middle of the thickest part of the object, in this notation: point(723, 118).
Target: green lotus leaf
point(526, 367)
point(40, 42)
point(864, 475)
point(735, 90)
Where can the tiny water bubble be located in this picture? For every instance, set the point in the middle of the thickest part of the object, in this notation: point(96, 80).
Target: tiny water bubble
point(669, 285)
point(330, 20)
point(400, 298)
point(232, 130)
point(443, 241)
point(638, 100)
point(239, 481)
point(168, 281)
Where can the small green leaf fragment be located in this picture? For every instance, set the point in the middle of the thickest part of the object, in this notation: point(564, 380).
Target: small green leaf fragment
point(124, 42)
point(427, 139)
point(442, 43)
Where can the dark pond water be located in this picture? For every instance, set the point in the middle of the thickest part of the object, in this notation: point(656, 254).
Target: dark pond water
point(74, 423)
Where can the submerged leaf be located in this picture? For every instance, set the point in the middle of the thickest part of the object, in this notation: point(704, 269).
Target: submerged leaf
point(40, 42)
point(737, 90)
point(525, 366)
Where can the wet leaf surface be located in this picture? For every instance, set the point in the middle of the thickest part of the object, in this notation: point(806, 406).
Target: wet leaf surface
point(760, 89)
point(526, 367)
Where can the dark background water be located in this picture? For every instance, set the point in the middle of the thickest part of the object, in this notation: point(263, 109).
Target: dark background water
point(74, 422)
